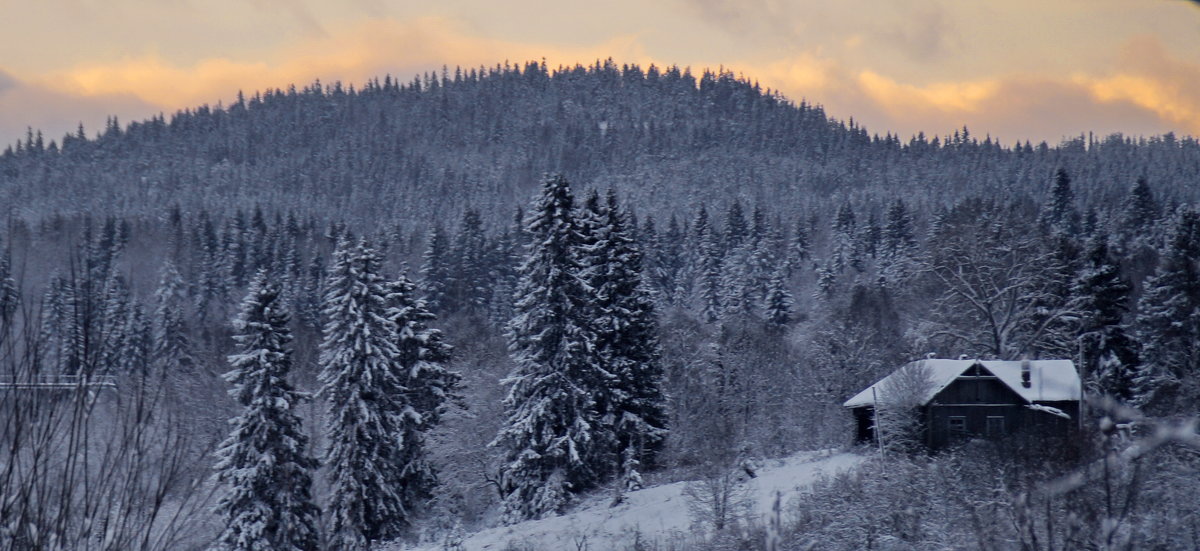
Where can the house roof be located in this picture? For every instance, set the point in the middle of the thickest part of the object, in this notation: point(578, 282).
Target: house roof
point(1051, 380)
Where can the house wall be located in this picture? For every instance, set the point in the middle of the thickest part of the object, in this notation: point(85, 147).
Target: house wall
point(963, 410)
point(973, 400)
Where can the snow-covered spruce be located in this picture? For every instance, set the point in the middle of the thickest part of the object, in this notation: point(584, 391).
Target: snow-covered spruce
point(549, 438)
point(1108, 355)
point(362, 393)
point(385, 385)
point(1168, 322)
point(172, 352)
point(264, 466)
point(586, 401)
point(622, 315)
point(421, 353)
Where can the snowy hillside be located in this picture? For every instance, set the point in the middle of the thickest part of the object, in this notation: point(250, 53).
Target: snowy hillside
point(656, 513)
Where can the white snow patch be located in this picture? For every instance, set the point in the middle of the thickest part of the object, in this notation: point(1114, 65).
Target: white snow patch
point(656, 512)
point(1050, 410)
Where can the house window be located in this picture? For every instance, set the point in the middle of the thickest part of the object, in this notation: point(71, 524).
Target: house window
point(958, 426)
point(995, 425)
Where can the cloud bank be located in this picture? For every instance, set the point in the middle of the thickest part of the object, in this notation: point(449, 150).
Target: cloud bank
point(914, 68)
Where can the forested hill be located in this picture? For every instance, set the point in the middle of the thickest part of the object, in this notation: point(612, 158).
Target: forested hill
point(665, 139)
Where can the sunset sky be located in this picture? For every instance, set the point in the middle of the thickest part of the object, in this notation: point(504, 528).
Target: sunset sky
point(1022, 69)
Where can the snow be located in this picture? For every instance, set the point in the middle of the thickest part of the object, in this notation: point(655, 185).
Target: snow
point(656, 513)
point(1050, 410)
point(1051, 380)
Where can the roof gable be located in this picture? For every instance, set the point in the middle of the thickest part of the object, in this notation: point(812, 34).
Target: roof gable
point(974, 372)
point(1050, 380)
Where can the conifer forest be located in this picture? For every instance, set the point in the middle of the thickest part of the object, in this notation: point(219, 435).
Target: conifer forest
point(397, 315)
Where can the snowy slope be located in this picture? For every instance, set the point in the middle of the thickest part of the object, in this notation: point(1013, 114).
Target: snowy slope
point(656, 512)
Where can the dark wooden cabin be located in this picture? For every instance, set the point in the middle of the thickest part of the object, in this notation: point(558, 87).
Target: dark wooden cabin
point(960, 399)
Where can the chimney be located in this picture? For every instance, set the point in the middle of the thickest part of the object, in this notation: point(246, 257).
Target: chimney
point(1025, 379)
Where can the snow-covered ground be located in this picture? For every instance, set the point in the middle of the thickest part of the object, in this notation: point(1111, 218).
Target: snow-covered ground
point(656, 513)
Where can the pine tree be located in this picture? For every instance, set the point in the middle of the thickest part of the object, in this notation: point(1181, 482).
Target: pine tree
point(1169, 323)
point(1108, 356)
point(364, 394)
point(421, 356)
point(548, 437)
point(263, 464)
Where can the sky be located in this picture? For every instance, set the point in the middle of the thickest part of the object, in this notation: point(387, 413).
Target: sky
point(1016, 70)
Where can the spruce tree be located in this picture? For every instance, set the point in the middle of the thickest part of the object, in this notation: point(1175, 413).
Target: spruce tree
point(737, 230)
point(9, 295)
point(364, 394)
point(172, 351)
point(136, 356)
point(846, 244)
point(114, 320)
point(738, 293)
point(778, 303)
point(626, 329)
point(1169, 323)
point(548, 437)
point(672, 280)
point(436, 272)
point(800, 248)
point(469, 287)
point(1108, 357)
point(1059, 214)
point(708, 267)
point(309, 301)
point(264, 465)
point(503, 275)
point(1141, 209)
point(420, 363)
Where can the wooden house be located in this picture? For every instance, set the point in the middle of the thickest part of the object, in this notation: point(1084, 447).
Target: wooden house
point(959, 399)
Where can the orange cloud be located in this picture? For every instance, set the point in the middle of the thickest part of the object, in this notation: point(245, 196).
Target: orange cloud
point(1013, 106)
point(1148, 76)
point(1147, 91)
point(350, 54)
point(895, 97)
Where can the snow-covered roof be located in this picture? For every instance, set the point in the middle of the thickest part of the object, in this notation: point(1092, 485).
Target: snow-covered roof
point(1051, 380)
